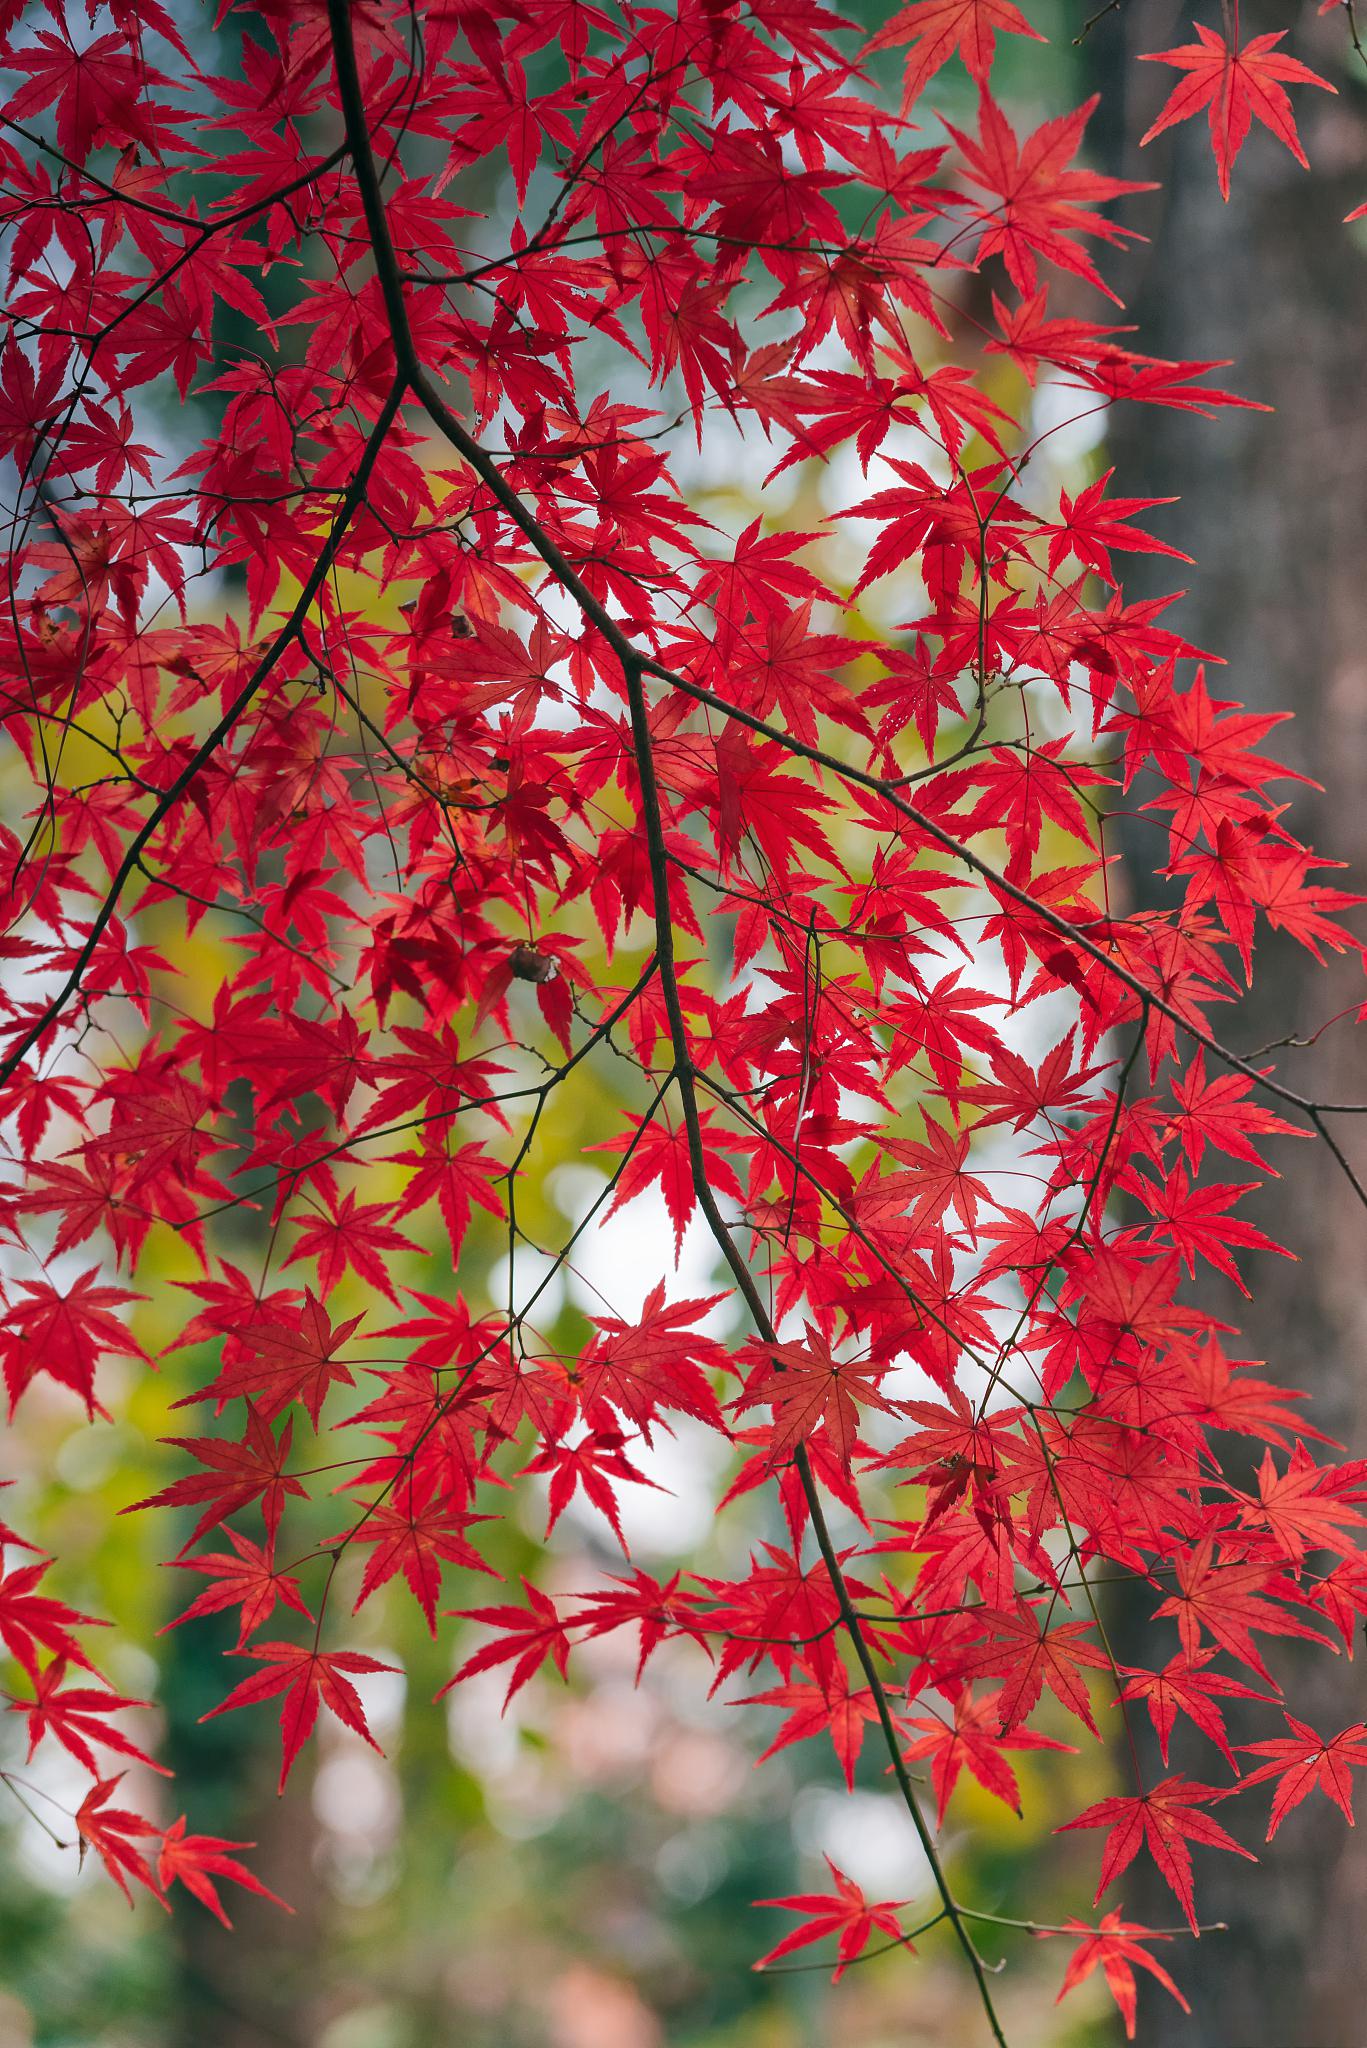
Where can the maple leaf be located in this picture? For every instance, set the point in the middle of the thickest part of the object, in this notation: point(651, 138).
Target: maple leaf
point(454, 1180)
point(100, 91)
point(196, 1860)
point(778, 1607)
point(1237, 83)
point(940, 1178)
point(845, 1913)
point(654, 1363)
point(760, 578)
point(1341, 1595)
point(111, 1831)
point(816, 1708)
point(1300, 1509)
point(1185, 1686)
point(284, 1355)
point(1162, 1820)
point(956, 1451)
point(247, 1578)
point(30, 1619)
point(28, 399)
point(660, 1153)
point(415, 1536)
point(936, 29)
point(806, 1386)
point(306, 1678)
point(1217, 1112)
point(1092, 524)
point(658, 1610)
point(238, 1473)
point(534, 1633)
point(591, 1463)
point(64, 1335)
point(1229, 1598)
point(350, 1234)
point(1115, 1945)
point(1032, 1657)
point(1041, 206)
point(1303, 1760)
point(76, 1716)
point(974, 1741)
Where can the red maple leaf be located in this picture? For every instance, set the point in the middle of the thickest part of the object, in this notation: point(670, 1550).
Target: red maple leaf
point(284, 1355)
point(99, 90)
point(245, 1578)
point(238, 1474)
point(936, 29)
point(1115, 1945)
point(659, 1610)
point(660, 1152)
point(354, 1234)
point(656, 1362)
point(592, 1462)
point(111, 1832)
point(845, 1913)
point(1092, 524)
point(1303, 1760)
point(64, 1335)
point(806, 1386)
point(1185, 1686)
point(1039, 207)
point(816, 1707)
point(1301, 1508)
point(196, 1860)
point(30, 1620)
point(532, 1634)
point(414, 1535)
point(1238, 84)
point(1164, 1820)
point(1229, 1598)
point(306, 1678)
point(77, 1715)
point(974, 1741)
point(1031, 1657)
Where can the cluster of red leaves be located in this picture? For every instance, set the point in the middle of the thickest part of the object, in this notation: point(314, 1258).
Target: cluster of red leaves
point(490, 661)
point(36, 1630)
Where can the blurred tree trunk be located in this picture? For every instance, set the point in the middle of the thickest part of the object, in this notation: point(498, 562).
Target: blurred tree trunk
point(258, 1985)
point(1274, 510)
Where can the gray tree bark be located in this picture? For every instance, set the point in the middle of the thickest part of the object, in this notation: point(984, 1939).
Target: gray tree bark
point(1274, 509)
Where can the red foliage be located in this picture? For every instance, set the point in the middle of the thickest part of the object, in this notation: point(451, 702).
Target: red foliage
point(491, 660)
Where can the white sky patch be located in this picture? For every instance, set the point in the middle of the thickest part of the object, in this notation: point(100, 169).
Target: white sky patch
point(865, 1834)
point(672, 1517)
point(1067, 424)
point(621, 1258)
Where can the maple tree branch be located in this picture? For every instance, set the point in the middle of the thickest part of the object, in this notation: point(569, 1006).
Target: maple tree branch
point(391, 283)
point(580, 800)
point(633, 664)
point(725, 1242)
